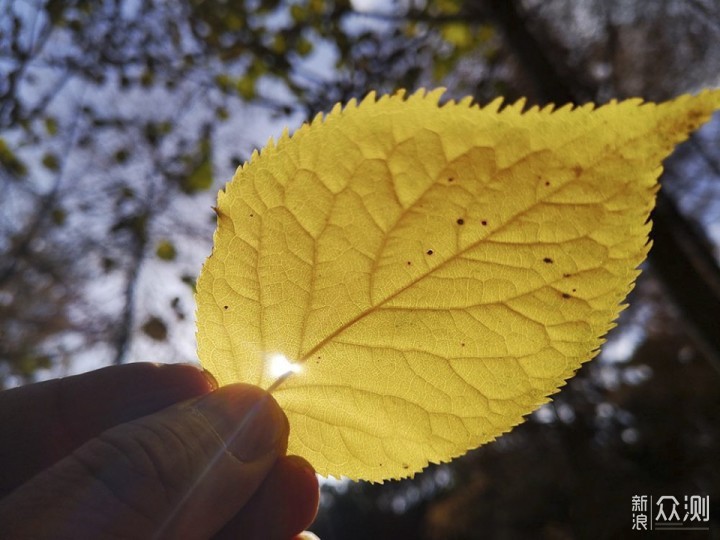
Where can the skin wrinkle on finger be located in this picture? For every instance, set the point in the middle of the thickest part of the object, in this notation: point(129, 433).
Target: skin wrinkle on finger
point(233, 446)
point(224, 448)
point(71, 410)
point(144, 467)
point(66, 502)
point(191, 409)
point(115, 482)
point(139, 513)
point(213, 460)
point(170, 477)
point(247, 420)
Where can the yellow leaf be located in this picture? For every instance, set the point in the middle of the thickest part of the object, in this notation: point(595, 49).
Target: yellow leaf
point(433, 273)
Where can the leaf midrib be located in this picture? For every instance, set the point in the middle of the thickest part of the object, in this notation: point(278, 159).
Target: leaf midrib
point(453, 258)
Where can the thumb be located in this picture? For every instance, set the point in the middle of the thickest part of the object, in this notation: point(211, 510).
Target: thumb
point(180, 473)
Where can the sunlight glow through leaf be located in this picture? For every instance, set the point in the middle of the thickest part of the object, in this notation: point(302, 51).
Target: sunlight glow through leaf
point(279, 366)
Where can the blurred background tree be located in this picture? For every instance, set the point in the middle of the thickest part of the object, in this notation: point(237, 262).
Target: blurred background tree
point(119, 120)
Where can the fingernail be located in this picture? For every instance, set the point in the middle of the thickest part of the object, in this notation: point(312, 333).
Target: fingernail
point(306, 535)
point(248, 420)
point(210, 378)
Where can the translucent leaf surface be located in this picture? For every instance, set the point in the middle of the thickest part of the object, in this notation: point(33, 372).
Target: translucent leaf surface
point(436, 272)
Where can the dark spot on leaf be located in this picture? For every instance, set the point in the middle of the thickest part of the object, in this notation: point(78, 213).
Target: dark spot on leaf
point(462, 344)
point(430, 252)
point(460, 221)
point(547, 260)
point(577, 169)
point(547, 183)
point(225, 307)
point(409, 263)
point(565, 295)
point(252, 215)
point(566, 275)
point(574, 290)
point(484, 223)
point(406, 466)
point(451, 179)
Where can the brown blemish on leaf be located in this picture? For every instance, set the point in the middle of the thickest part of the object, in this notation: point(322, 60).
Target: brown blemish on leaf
point(460, 221)
point(547, 260)
point(451, 179)
point(565, 295)
point(484, 223)
point(430, 252)
point(226, 307)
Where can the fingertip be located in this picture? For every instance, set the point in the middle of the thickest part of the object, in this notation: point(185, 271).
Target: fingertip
point(189, 379)
point(284, 505)
point(248, 420)
point(211, 380)
point(306, 535)
point(303, 479)
point(123, 393)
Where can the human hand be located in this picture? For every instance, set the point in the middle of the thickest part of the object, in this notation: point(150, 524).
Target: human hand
point(148, 451)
